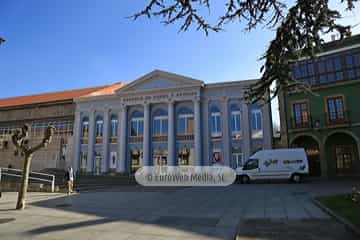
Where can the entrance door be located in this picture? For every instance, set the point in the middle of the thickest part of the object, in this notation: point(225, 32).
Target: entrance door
point(136, 160)
point(344, 159)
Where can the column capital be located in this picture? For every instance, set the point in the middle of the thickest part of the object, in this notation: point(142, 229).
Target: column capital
point(225, 99)
point(171, 101)
point(196, 99)
point(146, 104)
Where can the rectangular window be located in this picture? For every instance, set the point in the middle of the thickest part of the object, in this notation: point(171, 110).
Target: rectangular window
point(136, 127)
point(301, 115)
point(335, 109)
point(160, 126)
point(256, 119)
point(215, 124)
point(353, 65)
point(85, 130)
point(185, 124)
point(114, 127)
point(99, 128)
point(235, 122)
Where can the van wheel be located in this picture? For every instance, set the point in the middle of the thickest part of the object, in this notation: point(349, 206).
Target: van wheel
point(296, 178)
point(245, 179)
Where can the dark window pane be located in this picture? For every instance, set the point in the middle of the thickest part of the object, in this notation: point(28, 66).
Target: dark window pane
point(329, 65)
point(331, 77)
point(339, 76)
point(358, 72)
point(311, 69)
point(349, 61)
point(321, 67)
point(141, 127)
point(303, 70)
point(322, 78)
point(337, 63)
point(165, 126)
point(351, 74)
point(357, 59)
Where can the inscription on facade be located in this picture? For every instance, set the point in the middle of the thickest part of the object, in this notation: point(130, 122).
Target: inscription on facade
point(157, 98)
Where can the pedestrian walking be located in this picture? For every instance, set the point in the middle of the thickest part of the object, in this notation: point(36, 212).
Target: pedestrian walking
point(69, 178)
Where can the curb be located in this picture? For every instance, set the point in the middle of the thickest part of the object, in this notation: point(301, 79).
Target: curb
point(337, 217)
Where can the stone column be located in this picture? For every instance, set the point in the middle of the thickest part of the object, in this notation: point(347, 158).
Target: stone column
point(171, 134)
point(91, 141)
point(205, 129)
point(146, 137)
point(225, 131)
point(76, 142)
point(105, 163)
point(246, 129)
point(197, 132)
point(267, 126)
point(323, 161)
point(122, 140)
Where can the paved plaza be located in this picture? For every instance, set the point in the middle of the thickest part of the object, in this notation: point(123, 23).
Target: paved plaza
point(255, 211)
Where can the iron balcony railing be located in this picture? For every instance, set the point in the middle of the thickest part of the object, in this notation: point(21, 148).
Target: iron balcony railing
point(303, 122)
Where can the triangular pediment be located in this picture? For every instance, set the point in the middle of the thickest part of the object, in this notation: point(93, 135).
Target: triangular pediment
point(159, 80)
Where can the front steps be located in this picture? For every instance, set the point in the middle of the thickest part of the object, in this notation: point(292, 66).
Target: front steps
point(90, 182)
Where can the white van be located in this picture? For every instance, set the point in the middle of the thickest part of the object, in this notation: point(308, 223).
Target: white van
point(288, 163)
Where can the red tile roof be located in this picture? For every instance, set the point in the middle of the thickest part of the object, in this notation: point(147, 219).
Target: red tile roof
point(110, 90)
point(48, 97)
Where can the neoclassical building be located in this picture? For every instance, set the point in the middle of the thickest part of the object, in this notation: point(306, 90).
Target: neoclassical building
point(167, 119)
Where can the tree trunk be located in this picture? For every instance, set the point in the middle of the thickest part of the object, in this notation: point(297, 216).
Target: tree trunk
point(24, 185)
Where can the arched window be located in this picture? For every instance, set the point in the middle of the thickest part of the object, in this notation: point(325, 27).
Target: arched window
point(215, 122)
point(99, 126)
point(114, 126)
point(160, 123)
point(85, 128)
point(235, 119)
point(137, 124)
point(185, 122)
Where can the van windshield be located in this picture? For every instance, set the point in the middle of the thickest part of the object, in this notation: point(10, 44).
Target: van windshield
point(251, 164)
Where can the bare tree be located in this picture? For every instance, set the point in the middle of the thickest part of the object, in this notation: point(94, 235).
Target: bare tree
point(21, 141)
point(298, 31)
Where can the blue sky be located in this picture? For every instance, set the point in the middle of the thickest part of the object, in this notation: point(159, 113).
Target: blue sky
point(67, 44)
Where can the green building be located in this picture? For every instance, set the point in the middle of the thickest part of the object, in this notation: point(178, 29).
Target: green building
point(326, 124)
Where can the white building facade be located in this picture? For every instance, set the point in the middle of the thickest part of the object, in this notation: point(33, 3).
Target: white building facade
point(167, 119)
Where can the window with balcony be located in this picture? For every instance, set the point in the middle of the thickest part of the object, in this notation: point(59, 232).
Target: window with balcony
point(99, 127)
point(160, 128)
point(215, 122)
point(160, 124)
point(185, 123)
point(137, 127)
point(301, 115)
point(85, 130)
point(114, 129)
point(336, 112)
